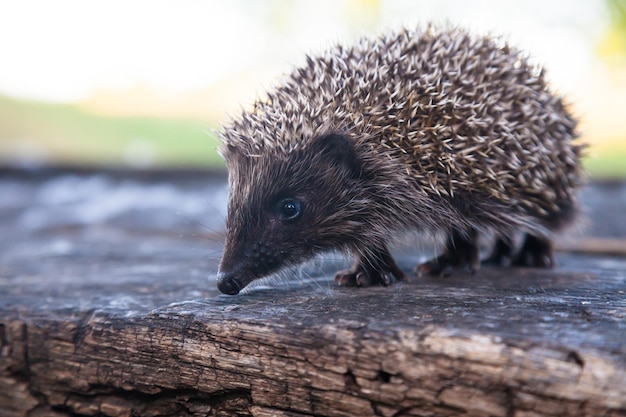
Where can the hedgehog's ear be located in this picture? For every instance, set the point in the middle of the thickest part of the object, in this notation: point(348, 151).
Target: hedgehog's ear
point(336, 149)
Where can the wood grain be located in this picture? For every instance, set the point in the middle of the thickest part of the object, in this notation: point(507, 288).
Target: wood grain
point(119, 316)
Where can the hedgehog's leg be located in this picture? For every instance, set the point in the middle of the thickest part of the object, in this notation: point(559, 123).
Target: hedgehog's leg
point(462, 251)
point(536, 252)
point(502, 254)
point(378, 268)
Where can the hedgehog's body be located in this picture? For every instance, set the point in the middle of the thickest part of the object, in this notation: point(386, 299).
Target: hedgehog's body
point(434, 131)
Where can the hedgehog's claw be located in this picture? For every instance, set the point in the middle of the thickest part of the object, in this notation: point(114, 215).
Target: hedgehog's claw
point(348, 278)
point(360, 277)
point(380, 270)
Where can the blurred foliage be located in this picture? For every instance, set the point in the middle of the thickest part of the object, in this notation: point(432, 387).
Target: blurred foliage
point(607, 162)
point(278, 15)
point(69, 135)
point(34, 132)
point(63, 133)
point(617, 9)
point(614, 43)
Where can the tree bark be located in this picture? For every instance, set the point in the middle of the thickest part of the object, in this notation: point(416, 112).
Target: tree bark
point(115, 317)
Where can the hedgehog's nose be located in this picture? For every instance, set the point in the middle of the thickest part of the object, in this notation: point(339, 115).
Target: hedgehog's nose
point(228, 284)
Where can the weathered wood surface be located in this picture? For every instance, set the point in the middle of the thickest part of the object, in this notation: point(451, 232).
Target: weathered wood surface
point(108, 307)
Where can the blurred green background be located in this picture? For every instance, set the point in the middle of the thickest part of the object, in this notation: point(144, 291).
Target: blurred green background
point(145, 83)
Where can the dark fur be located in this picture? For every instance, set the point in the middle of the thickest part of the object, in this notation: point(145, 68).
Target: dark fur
point(321, 178)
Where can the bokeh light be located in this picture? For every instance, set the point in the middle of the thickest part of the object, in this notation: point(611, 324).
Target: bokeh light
point(141, 83)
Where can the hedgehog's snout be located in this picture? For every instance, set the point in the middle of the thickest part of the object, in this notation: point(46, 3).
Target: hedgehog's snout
point(258, 260)
point(227, 283)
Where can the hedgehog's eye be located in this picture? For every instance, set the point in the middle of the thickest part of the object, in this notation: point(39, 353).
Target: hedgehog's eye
point(289, 208)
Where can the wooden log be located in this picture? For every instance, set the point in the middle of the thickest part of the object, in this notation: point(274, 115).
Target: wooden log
point(110, 317)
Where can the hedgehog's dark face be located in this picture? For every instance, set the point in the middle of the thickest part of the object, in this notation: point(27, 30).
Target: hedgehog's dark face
point(283, 210)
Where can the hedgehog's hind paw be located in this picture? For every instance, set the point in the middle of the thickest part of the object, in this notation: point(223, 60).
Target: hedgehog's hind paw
point(502, 254)
point(444, 265)
point(536, 252)
point(462, 251)
point(380, 269)
point(441, 266)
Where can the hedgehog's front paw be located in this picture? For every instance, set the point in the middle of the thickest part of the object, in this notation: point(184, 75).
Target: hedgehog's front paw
point(378, 270)
point(354, 277)
point(366, 277)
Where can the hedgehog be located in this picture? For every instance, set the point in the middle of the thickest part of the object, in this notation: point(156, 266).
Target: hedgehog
point(433, 130)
